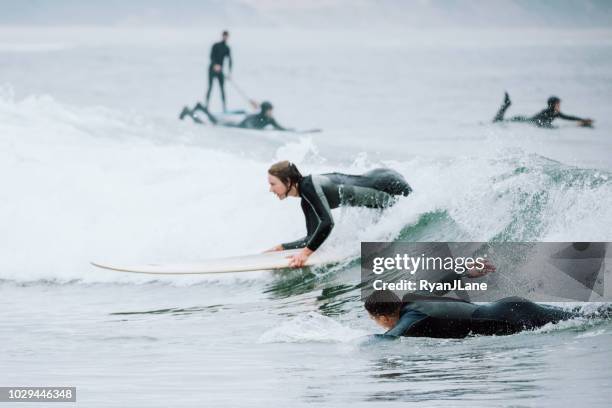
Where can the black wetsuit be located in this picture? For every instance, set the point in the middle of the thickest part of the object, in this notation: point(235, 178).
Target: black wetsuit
point(218, 53)
point(545, 118)
point(255, 121)
point(259, 121)
point(541, 119)
point(321, 193)
point(428, 316)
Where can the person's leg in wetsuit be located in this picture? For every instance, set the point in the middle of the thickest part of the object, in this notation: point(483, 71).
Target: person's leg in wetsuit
point(198, 107)
point(389, 181)
point(210, 116)
point(499, 117)
point(190, 112)
point(377, 188)
point(211, 76)
point(220, 77)
point(521, 314)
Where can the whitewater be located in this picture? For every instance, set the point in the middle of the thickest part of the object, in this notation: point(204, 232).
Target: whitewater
point(96, 166)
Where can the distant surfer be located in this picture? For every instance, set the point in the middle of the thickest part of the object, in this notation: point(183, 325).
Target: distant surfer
point(218, 53)
point(543, 118)
point(378, 188)
point(433, 316)
point(258, 121)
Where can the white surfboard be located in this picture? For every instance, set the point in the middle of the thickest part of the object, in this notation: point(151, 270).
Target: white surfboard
point(258, 262)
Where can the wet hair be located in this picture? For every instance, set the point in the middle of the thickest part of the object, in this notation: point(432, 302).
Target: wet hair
point(552, 101)
point(225, 32)
point(383, 303)
point(266, 106)
point(287, 172)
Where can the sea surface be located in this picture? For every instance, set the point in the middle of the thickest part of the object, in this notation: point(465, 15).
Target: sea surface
point(96, 166)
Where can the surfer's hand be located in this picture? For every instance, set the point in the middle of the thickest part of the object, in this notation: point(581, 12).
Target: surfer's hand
point(485, 270)
point(586, 123)
point(275, 249)
point(298, 260)
point(217, 68)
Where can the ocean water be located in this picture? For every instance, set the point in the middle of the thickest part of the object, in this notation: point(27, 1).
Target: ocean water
point(95, 165)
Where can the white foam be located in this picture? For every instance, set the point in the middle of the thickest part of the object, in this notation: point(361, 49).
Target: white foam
point(310, 327)
point(91, 183)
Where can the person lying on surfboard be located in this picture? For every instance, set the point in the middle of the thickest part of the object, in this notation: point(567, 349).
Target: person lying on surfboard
point(321, 193)
point(417, 315)
point(542, 119)
point(258, 121)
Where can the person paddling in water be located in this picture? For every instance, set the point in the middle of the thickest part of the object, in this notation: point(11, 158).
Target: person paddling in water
point(257, 121)
point(417, 315)
point(542, 119)
point(321, 193)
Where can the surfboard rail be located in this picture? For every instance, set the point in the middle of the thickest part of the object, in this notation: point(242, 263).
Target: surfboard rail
point(245, 263)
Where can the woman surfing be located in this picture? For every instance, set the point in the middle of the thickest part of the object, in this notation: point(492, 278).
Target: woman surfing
point(321, 193)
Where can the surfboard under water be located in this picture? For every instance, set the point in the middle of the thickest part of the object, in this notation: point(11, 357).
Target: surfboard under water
point(246, 263)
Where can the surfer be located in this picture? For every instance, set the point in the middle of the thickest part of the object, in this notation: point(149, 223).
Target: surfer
point(543, 118)
point(320, 194)
point(258, 121)
point(434, 316)
point(218, 53)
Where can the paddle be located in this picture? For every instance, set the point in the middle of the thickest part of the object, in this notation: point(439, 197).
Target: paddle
point(253, 103)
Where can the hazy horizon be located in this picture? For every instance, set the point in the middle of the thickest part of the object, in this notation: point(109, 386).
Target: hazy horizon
point(312, 14)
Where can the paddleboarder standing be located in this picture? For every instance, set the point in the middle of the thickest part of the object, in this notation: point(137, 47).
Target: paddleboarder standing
point(218, 53)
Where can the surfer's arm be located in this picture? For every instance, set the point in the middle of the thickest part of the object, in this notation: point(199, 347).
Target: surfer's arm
point(308, 216)
point(582, 121)
point(408, 318)
point(319, 221)
point(487, 267)
point(300, 243)
point(275, 125)
point(569, 117)
point(275, 248)
point(316, 199)
point(298, 260)
point(373, 339)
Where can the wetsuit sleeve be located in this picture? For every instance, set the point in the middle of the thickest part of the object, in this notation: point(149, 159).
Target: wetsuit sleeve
point(212, 53)
point(376, 338)
point(315, 198)
point(319, 221)
point(408, 318)
point(568, 117)
point(300, 243)
point(275, 125)
point(229, 57)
